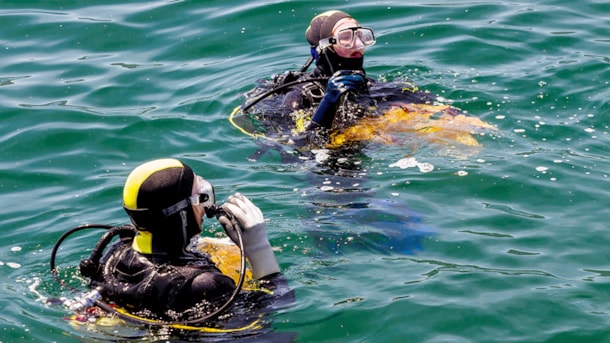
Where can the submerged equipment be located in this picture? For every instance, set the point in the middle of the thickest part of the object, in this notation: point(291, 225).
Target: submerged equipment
point(91, 266)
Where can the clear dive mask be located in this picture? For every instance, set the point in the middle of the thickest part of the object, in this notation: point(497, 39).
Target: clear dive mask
point(205, 195)
point(346, 38)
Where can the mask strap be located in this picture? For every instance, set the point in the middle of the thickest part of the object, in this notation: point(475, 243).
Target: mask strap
point(314, 53)
point(176, 207)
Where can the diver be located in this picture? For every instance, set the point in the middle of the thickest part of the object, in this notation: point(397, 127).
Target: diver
point(337, 92)
point(328, 115)
point(154, 270)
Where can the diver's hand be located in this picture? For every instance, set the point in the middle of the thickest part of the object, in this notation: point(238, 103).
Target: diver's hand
point(254, 234)
point(344, 81)
point(341, 82)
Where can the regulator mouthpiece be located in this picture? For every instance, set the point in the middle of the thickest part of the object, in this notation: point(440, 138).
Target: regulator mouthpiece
point(214, 210)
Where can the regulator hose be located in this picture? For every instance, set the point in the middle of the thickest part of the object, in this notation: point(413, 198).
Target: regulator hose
point(90, 265)
point(279, 88)
point(60, 241)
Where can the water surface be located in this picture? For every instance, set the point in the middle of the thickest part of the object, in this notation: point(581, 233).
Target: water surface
point(505, 244)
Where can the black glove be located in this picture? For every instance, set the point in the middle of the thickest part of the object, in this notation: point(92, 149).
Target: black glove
point(341, 82)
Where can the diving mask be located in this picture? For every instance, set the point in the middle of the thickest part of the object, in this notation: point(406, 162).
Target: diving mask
point(205, 195)
point(346, 38)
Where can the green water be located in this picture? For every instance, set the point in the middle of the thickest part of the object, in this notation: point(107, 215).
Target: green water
point(517, 243)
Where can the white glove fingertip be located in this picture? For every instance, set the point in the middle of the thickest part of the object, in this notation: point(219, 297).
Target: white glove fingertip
point(241, 204)
point(233, 209)
point(257, 210)
point(253, 209)
point(247, 202)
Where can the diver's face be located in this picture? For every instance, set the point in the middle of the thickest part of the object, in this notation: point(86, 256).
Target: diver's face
point(357, 50)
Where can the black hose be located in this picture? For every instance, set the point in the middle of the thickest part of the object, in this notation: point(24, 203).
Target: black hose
point(278, 88)
point(149, 322)
point(61, 239)
point(238, 287)
point(96, 254)
point(307, 64)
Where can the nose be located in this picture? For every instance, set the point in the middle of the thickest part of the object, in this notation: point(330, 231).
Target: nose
point(358, 43)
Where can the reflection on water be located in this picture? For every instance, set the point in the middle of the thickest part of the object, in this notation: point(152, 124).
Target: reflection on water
point(346, 216)
point(90, 90)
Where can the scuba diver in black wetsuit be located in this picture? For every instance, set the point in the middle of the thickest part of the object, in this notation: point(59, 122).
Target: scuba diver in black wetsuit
point(301, 110)
point(336, 93)
point(154, 272)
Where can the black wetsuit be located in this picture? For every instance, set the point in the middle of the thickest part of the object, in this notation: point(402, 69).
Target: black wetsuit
point(309, 95)
point(278, 115)
point(131, 280)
